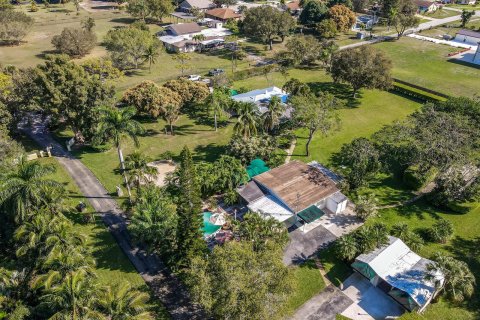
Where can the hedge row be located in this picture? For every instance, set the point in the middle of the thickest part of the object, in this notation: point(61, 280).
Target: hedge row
point(416, 93)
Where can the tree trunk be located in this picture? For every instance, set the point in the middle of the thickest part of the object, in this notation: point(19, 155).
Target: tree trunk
point(122, 166)
point(271, 44)
point(171, 128)
point(355, 90)
point(310, 137)
point(215, 116)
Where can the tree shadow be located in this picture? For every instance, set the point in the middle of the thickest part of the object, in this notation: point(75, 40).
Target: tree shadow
point(44, 53)
point(209, 152)
point(124, 20)
point(339, 90)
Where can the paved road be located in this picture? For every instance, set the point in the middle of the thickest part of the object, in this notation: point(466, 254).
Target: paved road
point(422, 26)
point(165, 286)
point(324, 306)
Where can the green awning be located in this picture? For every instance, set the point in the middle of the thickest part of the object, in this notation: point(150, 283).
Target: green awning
point(311, 214)
point(256, 167)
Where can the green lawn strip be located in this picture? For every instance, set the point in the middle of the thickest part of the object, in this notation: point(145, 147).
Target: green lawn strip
point(308, 282)
point(427, 64)
point(340, 317)
point(336, 270)
point(440, 14)
point(417, 92)
point(196, 132)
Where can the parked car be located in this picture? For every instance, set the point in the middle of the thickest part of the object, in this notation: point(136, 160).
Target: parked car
point(215, 72)
point(194, 77)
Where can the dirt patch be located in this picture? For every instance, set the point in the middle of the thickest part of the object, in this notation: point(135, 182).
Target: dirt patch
point(163, 168)
point(98, 5)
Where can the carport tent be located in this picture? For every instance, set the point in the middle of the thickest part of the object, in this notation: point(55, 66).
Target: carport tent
point(256, 167)
point(311, 214)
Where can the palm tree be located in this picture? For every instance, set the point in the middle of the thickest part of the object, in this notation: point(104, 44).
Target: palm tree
point(137, 165)
point(219, 100)
point(451, 276)
point(366, 206)
point(122, 303)
point(151, 55)
point(379, 234)
point(74, 298)
point(271, 118)
point(411, 239)
point(115, 124)
point(198, 38)
point(246, 122)
point(171, 115)
point(23, 189)
point(346, 247)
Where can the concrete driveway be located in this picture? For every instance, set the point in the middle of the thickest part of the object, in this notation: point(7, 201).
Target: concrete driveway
point(303, 246)
point(324, 306)
point(369, 302)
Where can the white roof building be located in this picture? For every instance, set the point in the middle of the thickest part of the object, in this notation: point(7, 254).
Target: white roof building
point(261, 95)
point(399, 272)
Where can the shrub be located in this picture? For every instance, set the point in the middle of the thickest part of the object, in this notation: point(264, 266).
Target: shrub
point(75, 42)
point(416, 179)
point(14, 26)
point(441, 231)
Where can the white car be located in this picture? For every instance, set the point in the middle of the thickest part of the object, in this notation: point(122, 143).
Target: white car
point(194, 77)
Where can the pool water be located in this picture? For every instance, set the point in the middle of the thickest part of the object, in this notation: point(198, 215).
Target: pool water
point(208, 227)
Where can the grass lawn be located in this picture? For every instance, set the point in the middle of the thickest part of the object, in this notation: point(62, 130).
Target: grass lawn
point(196, 132)
point(308, 282)
point(112, 265)
point(466, 7)
point(426, 64)
point(440, 14)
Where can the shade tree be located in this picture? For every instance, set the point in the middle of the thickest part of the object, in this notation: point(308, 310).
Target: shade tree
point(343, 17)
point(316, 114)
point(362, 67)
point(313, 12)
point(14, 26)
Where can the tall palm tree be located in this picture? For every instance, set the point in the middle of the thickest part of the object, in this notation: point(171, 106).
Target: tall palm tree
point(23, 189)
point(246, 124)
point(271, 118)
point(123, 303)
point(366, 206)
point(219, 100)
point(411, 239)
point(379, 234)
point(116, 124)
point(74, 298)
point(151, 55)
point(451, 276)
point(137, 165)
point(346, 247)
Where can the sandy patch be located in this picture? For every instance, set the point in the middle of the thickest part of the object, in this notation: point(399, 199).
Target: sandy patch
point(163, 168)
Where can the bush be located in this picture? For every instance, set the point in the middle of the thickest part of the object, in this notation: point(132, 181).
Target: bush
point(167, 155)
point(14, 26)
point(75, 42)
point(416, 179)
point(441, 231)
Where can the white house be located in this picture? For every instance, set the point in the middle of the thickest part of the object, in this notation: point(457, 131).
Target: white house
point(400, 273)
point(294, 192)
point(261, 95)
point(180, 37)
point(425, 6)
point(468, 36)
point(471, 2)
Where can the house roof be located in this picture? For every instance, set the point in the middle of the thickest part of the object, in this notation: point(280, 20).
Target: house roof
point(294, 5)
point(424, 3)
point(469, 33)
point(200, 4)
point(185, 28)
point(401, 268)
point(269, 206)
point(297, 184)
point(223, 13)
point(259, 94)
point(250, 192)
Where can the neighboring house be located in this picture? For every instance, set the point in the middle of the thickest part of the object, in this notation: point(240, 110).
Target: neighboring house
point(294, 193)
point(203, 5)
point(261, 95)
point(426, 6)
point(294, 7)
point(400, 273)
point(468, 36)
point(222, 14)
point(472, 2)
point(180, 37)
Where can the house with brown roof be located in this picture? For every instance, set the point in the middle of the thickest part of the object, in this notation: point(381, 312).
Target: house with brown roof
point(294, 192)
point(293, 7)
point(222, 14)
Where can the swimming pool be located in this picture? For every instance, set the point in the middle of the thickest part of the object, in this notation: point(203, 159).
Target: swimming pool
point(208, 227)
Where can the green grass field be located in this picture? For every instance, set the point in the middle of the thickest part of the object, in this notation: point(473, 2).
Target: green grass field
point(440, 14)
point(426, 64)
